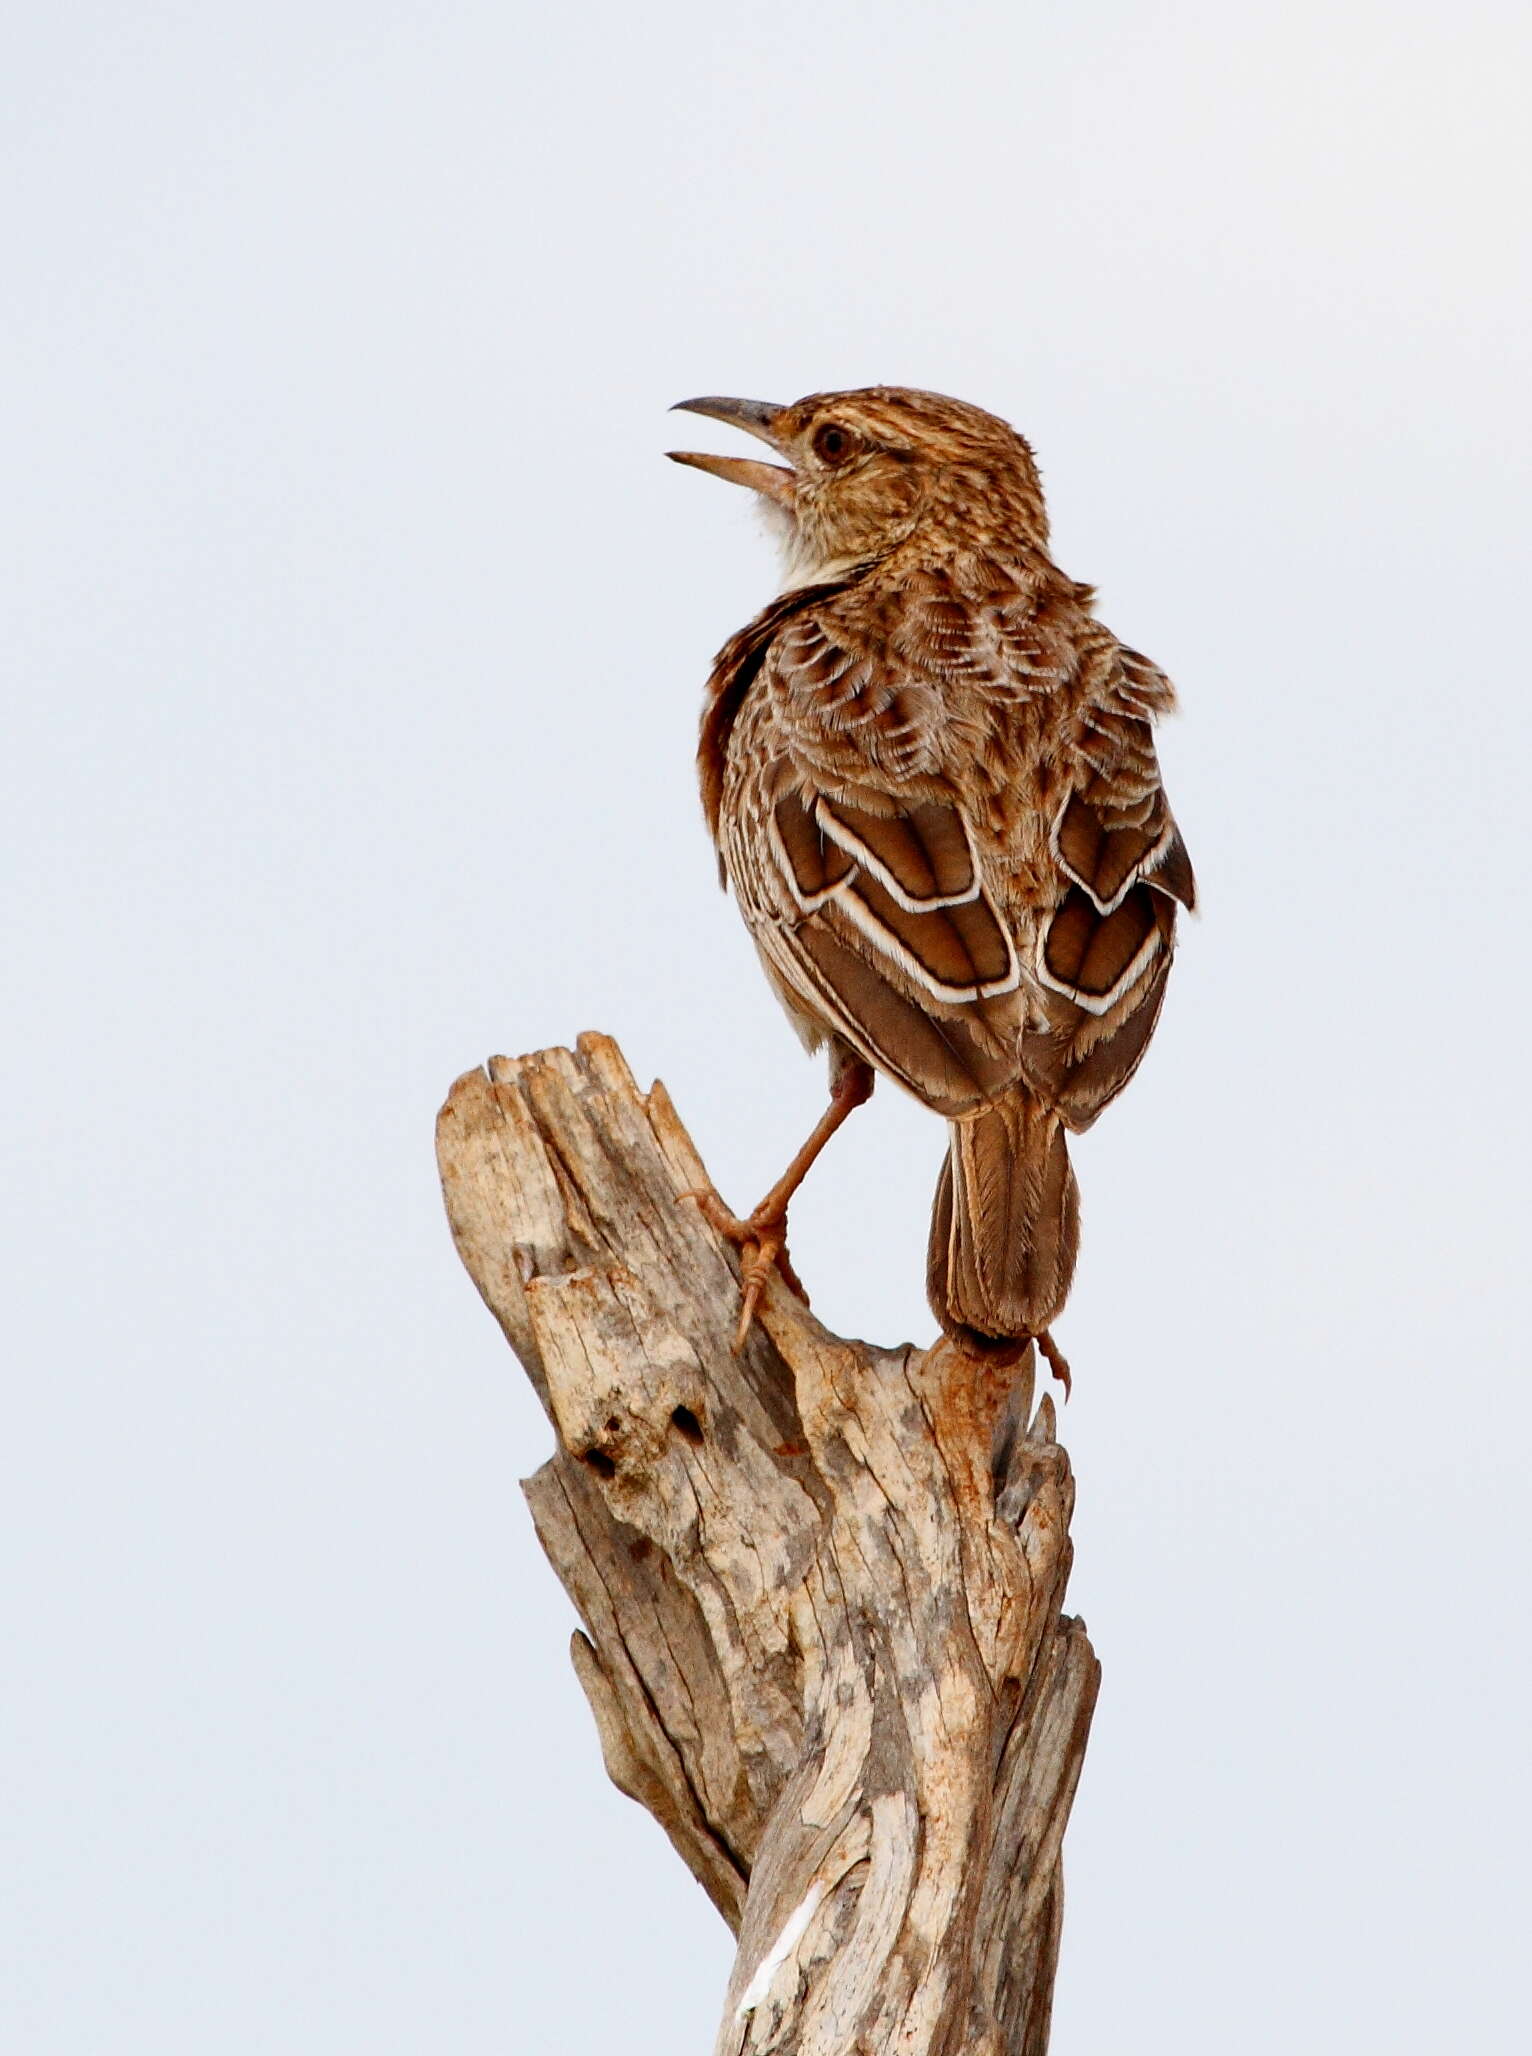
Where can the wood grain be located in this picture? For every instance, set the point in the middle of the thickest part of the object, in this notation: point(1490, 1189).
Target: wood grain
point(820, 1583)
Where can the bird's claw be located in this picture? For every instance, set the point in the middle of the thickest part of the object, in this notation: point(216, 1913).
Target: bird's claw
point(1056, 1361)
point(761, 1239)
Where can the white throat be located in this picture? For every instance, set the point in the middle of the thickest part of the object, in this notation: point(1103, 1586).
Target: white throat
point(801, 565)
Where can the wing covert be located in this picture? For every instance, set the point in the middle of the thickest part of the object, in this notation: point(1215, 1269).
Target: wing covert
point(1104, 954)
point(881, 913)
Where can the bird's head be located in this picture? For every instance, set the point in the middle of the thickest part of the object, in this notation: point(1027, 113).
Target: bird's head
point(870, 471)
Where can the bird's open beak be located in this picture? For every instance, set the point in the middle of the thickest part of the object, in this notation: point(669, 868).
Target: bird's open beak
point(756, 418)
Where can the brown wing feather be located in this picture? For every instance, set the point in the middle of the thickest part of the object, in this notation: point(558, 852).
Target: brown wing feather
point(920, 851)
point(815, 866)
point(1106, 951)
point(955, 1060)
point(735, 670)
point(926, 989)
point(1116, 826)
point(956, 953)
point(1095, 959)
point(1081, 1061)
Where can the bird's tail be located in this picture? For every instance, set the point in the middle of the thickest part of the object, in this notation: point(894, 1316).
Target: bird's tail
point(1006, 1223)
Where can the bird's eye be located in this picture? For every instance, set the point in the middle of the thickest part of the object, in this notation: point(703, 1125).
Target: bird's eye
point(831, 443)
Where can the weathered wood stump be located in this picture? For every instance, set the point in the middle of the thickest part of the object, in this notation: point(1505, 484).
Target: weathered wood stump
point(820, 1582)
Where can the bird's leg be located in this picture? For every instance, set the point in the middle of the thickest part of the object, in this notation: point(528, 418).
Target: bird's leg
point(762, 1234)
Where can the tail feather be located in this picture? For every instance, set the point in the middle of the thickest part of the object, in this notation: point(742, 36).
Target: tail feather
point(1005, 1226)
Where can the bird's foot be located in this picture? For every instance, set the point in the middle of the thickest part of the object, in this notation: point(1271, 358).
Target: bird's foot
point(761, 1239)
point(1056, 1360)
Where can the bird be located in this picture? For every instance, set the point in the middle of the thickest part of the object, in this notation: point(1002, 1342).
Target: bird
point(930, 775)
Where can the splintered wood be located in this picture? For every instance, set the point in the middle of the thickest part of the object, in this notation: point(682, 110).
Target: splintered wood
point(821, 1583)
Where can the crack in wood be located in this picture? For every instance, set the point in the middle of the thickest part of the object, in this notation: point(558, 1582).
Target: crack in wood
point(820, 1583)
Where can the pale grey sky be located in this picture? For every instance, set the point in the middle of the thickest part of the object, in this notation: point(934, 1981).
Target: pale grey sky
point(355, 632)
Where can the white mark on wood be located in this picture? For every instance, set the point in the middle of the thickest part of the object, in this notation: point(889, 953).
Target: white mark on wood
point(780, 1950)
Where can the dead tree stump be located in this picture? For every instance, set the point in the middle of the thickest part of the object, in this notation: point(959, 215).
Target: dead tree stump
point(821, 1583)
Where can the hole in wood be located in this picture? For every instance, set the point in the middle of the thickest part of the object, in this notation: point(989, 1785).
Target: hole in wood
point(599, 1462)
point(686, 1423)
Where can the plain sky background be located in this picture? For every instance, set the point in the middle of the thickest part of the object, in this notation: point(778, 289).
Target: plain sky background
point(354, 635)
